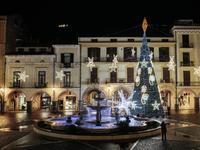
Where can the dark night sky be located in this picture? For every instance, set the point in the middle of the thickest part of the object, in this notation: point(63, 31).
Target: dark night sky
point(43, 17)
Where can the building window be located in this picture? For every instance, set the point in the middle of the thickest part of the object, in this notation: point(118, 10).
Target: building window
point(130, 75)
point(148, 40)
point(151, 49)
point(164, 40)
point(128, 54)
point(94, 40)
point(17, 61)
point(41, 78)
point(113, 77)
point(20, 50)
point(16, 81)
point(66, 81)
point(130, 40)
point(94, 75)
point(186, 78)
point(43, 50)
point(67, 59)
point(164, 54)
point(166, 75)
point(70, 102)
point(111, 51)
point(42, 61)
point(186, 59)
point(31, 50)
point(95, 53)
point(185, 41)
point(113, 40)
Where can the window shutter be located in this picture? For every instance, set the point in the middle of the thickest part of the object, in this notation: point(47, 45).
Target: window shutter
point(62, 58)
point(72, 58)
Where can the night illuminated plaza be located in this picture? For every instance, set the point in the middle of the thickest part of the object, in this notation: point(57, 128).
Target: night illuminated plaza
point(78, 78)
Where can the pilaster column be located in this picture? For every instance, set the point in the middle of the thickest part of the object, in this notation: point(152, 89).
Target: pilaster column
point(29, 107)
point(196, 102)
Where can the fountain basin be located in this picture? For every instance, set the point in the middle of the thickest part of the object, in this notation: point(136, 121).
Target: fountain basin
point(98, 108)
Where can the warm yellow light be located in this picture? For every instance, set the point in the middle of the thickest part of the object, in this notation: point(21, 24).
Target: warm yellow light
point(1, 90)
point(53, 89)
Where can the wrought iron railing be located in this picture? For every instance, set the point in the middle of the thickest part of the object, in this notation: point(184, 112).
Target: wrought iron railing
point(119, 80)
point(66, 65)
point(128, 59)
point(188, 83)
point(91, 81)
point(40, 85)
point(66, 84)
point(186, 45)
point(16, 84)
point(191, 63)
point(166, 80)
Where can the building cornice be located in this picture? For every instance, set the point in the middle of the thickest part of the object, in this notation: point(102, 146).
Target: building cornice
point(25, 56)
point(65, 46)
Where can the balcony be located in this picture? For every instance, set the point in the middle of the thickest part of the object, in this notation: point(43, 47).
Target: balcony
point(191, 63)
point(119, 80)
point(188, 83)
point(66, 65)
point(92, 81)
point(166, 80)
point(66, 85)
point(186, 45)
point(129, 59)
point(40, 85)
point(16, 85)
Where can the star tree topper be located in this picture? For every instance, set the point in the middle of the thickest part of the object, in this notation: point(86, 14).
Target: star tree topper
point(91, 63)
point(197, 71)
point(23, 76)
point(60, 74)
point(155, 105)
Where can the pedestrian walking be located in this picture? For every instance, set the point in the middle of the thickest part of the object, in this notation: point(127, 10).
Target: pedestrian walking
point(163, 129)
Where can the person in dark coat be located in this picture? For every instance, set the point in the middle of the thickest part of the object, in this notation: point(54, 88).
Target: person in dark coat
point(163, 129)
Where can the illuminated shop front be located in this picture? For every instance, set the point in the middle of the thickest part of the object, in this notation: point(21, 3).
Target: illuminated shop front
point(70, 102)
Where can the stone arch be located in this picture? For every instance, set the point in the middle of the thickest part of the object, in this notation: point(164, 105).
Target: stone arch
point(187, 90)
point(169, 88)
point(14, 91)
point(66, 91)
point(93, 89)
point(41, 91)
point(199, 94)
point(121, 88)
point(15, 101)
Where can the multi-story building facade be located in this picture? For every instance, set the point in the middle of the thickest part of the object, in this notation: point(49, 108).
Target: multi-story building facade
point(42, 90)
point(178, 88)
point(102, 50)
point(187, 37)
point(12, 29)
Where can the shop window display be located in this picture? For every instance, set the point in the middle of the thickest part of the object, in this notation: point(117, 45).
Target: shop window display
point(184, 100)
point(70, 102)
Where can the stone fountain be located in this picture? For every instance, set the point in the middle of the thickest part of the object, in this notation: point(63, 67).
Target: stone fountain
point(98, 108)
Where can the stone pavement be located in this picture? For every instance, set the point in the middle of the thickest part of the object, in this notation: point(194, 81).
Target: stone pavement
point(16, 133)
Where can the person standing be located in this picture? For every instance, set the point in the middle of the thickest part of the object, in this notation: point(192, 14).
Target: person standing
point(163, 129)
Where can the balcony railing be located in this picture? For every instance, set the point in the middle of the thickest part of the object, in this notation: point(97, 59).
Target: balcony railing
point(66, 85)
point(91, 81)
point(16, 85)
point(128, 59)
point(191, 63)
point(40, 85)
point(66, 65)
point(119, 80)
point(186, 45)
point(166, 80)
point(188, 83)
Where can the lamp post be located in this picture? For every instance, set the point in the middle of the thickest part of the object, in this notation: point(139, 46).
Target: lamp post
point(54, 102)
point(2, 101)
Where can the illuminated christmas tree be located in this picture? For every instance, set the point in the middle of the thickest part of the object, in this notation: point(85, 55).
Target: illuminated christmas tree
point(146, 96)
